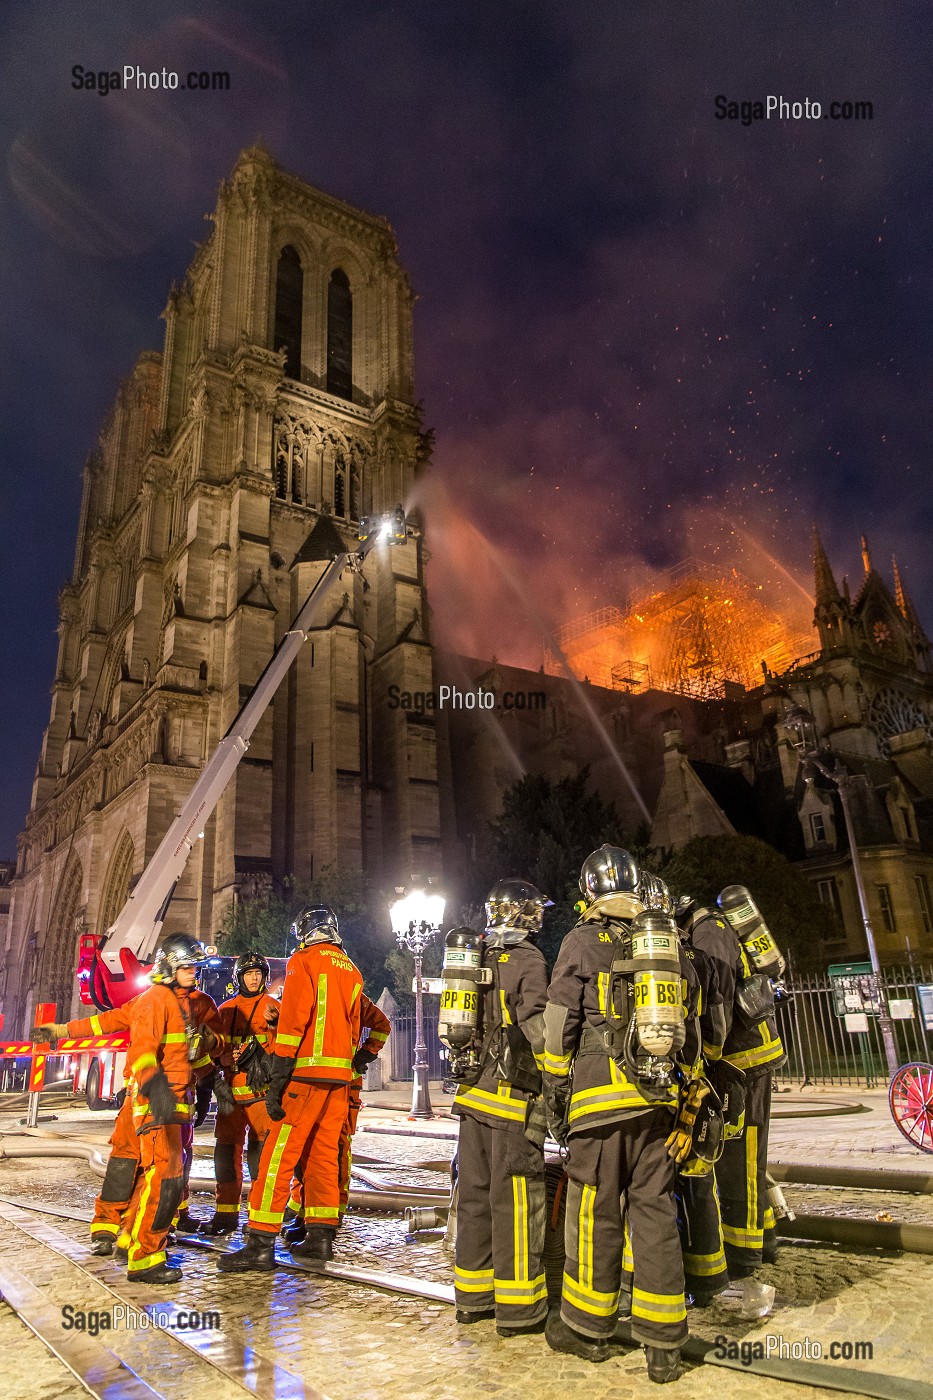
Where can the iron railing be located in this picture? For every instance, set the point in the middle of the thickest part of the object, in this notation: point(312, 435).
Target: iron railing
point(402, 1044)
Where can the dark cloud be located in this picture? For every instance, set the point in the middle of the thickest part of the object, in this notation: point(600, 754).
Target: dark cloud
point(642, 333)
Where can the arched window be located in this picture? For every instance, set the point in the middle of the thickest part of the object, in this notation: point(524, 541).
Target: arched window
point(340, 487)
point(339, 335)
point(355, 491)
point(289, 288)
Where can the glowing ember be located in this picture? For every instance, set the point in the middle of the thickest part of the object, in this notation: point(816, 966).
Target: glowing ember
point(699, 630)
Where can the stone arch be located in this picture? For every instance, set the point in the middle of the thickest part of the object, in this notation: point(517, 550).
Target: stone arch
point(117, 882)
point(59, 954)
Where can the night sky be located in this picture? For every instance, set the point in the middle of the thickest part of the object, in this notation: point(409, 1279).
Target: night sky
point(642, 333)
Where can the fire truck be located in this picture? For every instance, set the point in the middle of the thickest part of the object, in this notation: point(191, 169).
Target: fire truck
point(114, 968)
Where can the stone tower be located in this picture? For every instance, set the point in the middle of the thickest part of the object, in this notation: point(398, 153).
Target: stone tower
point(234, 465)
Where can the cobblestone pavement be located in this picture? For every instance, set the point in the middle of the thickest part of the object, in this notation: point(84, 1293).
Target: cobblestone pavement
point(349, 1341)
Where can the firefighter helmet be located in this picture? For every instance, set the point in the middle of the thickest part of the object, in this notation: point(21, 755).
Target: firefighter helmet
point(610, 870)
point(316, 924)
point(178, 950)
point(250, 962)
point(514, 911)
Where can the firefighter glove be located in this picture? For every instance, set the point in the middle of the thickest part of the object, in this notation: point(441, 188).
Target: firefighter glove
point(226, 1102)
point(162, 1102)
point(47, 1035)
point(556, 1103)
point(279, 1076)
point(272, 1014)
point(363, 1059)
point(202, 1098)
point(681, 1139)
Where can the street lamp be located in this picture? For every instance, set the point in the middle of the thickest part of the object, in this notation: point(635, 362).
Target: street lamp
point(416, 918)
point(802, 726)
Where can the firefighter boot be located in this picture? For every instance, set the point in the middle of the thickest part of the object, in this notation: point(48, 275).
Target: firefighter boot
point(560, 1337)
point(221, 1223)
point(186, 1223)
point(663, 1364)
point(257, 1253)
point(102, 1245)
point(295, 1233)
point(317, 1246)
point(159, 1273)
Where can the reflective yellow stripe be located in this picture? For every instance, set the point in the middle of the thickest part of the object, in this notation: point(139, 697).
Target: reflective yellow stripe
point(377, 1037)
point(558, 1065)
point(241, 1091)
point(222, 1209)
point(149, 1262)
point(96, 1026)
point(320, 1016)
point(628, 1258)
point(705, 1265)
point(288, 1039)
point(607, 1096)
point(769, 1221)
point(658, 1307)
point(519, 1292)
point(174, 1038)
point(602, 990)
point(588, 1299)
point(742, 1239)
point(322, 1212)
point(751, 1177)
point(520, 1227)
point(275, 1161)
point(358, 987)
point(104, 1229)
point(503, 1009)
point(586, 1222)
point(498, 1105)
point(265, 1217)
point(473, 1280)
point(712, 1052)
point(147, 1061)
point(322, 1062)
point(199, 1064)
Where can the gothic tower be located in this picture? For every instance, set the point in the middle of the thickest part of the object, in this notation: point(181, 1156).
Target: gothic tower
point(234, 465)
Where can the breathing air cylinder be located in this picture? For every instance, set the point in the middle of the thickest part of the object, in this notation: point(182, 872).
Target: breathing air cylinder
point(744, 918)
point(461, 974)
point(657, 989)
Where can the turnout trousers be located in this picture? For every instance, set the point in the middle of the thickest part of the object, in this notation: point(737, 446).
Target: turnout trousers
point(701, 1235)
point(741, 1179)
point(156, 1196)
point(307, 1138)
point(296, 1199)
point(618, 1167)
point(120, 1177)
point(500, 1224)
point(248, 1125)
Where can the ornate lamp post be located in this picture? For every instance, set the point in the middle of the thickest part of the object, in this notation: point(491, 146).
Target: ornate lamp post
point(416, 918)
point(802, 725)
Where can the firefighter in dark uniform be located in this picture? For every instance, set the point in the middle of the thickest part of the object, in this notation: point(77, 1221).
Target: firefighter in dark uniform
point(616, 1114)
point(756, 1050)
point(705, 1271)
point(501, 1189)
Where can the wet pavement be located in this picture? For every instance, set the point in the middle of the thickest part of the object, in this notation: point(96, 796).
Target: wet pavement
point(345, 1341)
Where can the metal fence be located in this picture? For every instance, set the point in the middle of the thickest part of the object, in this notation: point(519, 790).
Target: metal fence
point(402, 1043)
point(824, 1047)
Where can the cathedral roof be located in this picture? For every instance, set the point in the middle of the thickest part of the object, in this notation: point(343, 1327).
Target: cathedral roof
point(825, 590)
point(323, 543)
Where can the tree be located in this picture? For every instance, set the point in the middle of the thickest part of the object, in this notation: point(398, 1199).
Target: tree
point(262, 923)
point(794, 914)
point(544, 833)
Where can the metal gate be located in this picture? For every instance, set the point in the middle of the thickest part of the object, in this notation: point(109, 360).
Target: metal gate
point(821, 1049)
point(402, 1043)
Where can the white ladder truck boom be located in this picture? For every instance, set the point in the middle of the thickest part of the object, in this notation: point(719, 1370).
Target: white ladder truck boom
point(118, 964)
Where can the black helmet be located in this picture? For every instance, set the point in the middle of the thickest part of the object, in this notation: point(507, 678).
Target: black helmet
point(178, 950)
point(316, 924)
point(685, 906)
point(514, 911)
point(610, 870)
point(250, 962)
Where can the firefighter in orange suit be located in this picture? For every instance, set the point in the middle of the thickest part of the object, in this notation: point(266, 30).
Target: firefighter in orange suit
point(314, 1059)
point(241, 1105)
point(123, 1163)
point(175, 1031)
point(379, 1027)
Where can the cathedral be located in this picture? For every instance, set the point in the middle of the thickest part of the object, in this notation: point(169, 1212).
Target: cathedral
point(236, 462)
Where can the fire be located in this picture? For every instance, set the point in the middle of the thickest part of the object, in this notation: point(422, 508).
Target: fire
point(700, 630)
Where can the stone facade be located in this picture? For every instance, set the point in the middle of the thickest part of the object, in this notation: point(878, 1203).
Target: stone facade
point(869, 688)
point(235, 463)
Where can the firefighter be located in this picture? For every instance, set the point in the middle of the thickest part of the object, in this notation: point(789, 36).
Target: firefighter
point(501, 1206)
point(379, 1027)
point(240, 1090)
point(615, 1017)
point(123, 1162)
point(315, 1056)
point(174, 1032)
point(705, 1272)
point(755, 1050)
